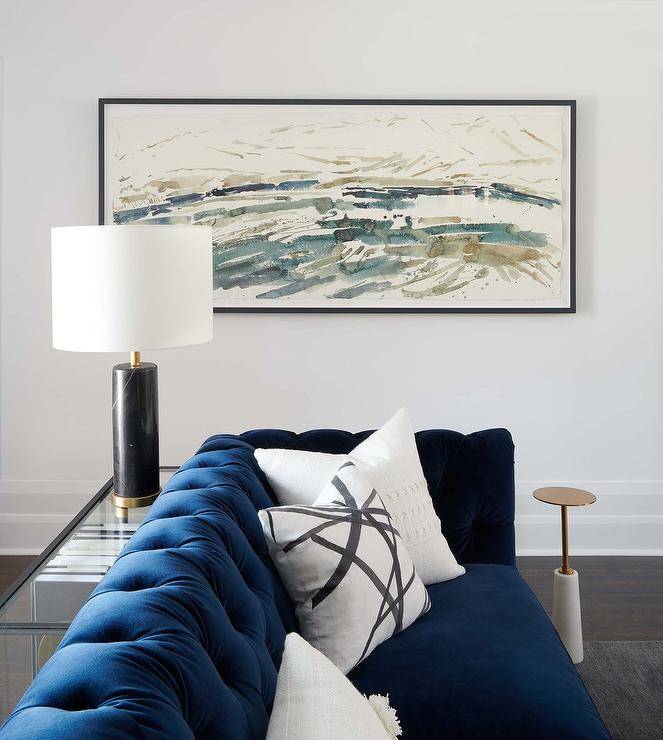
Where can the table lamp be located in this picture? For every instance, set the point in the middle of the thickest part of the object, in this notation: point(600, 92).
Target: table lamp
point(127, 289)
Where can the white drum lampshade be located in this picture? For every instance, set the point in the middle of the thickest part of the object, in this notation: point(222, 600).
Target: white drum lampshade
point(127, 289)
point(124, 288)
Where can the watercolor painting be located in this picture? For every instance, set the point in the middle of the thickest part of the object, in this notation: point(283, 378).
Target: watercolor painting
point(396, 206)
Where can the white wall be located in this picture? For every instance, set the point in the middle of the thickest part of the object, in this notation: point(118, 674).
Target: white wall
point(582, 394)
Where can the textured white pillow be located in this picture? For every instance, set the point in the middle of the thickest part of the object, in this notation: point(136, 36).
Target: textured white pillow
point(315, 701)
point(390, 460)
point(345, 568)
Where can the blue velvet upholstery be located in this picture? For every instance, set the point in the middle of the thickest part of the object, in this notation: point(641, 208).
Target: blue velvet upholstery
point(484, 662)
point(183, 637)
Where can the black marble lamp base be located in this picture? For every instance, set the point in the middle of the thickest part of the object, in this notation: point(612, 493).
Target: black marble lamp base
point(135, 435)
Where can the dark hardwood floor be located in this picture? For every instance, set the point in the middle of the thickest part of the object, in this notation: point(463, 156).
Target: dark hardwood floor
point(622, 597)
point(11, 566)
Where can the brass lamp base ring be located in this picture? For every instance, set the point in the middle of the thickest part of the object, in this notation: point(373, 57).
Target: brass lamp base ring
point(133, 502)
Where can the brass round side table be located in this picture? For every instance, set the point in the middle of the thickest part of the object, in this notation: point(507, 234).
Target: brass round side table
point(566, 588)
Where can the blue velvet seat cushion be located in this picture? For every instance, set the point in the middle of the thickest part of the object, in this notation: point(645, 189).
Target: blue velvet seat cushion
point(484, 662)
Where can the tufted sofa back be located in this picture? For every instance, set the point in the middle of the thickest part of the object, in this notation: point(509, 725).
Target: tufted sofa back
point(183, 636)
point(470, 478)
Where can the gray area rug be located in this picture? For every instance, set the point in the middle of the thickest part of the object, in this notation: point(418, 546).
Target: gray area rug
point(625, 680)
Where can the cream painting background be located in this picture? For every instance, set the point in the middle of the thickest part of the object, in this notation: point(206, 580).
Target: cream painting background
point(338, 205)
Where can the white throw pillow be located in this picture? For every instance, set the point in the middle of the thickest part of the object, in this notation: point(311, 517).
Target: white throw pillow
point(345, 568)
point(297, 476)
point(315, 701)
point(390, 460)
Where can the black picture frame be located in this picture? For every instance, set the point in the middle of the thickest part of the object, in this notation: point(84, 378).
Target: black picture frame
point(570, 103)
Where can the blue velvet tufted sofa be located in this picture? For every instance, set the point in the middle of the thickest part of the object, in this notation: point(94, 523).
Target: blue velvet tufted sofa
point(183, 636)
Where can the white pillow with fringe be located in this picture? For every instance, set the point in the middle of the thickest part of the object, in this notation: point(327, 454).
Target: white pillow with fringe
point(315, 701)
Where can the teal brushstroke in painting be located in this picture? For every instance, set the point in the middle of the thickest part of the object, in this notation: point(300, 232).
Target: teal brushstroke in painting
point(357, 290)
point(385, 198)
point(494, 190)
point(322, 205)
point(297, 287)
point(234, 266)
point(306, 236)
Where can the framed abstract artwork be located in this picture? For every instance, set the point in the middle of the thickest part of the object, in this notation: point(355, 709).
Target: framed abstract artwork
point(356, 205)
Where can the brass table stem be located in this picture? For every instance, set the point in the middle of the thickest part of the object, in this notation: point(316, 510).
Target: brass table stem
point(565, 569)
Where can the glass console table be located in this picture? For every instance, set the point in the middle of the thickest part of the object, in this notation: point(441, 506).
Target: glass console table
point(37, 608)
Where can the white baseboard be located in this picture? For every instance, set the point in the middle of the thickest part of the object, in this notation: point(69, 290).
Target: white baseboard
point(627, 518)
point(20, 551)
point(34, 512)
point(591, 535)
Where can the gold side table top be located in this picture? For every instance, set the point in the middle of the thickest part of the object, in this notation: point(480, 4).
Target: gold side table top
point(564, 496)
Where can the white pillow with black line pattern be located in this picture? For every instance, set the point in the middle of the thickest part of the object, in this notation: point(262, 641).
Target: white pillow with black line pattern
point(345, 568)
